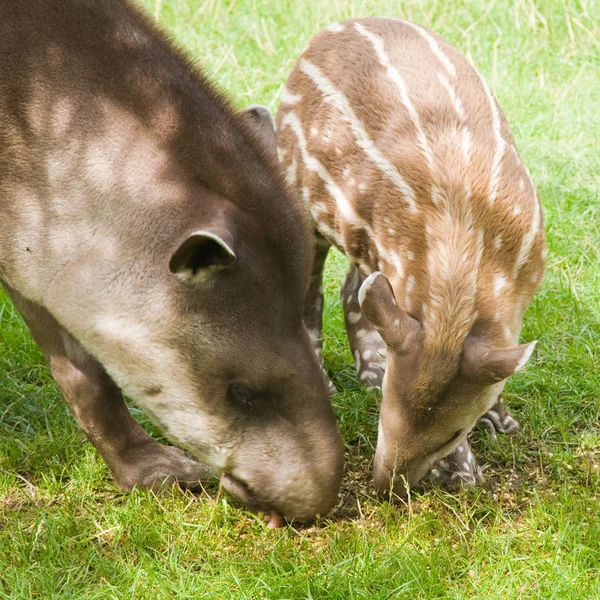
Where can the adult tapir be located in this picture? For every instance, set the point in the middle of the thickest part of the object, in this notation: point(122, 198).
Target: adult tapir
point(148, 240)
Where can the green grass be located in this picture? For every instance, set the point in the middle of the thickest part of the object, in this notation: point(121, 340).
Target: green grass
point(532, 530)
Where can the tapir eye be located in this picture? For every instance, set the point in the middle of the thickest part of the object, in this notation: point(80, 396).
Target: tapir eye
point(240, 394)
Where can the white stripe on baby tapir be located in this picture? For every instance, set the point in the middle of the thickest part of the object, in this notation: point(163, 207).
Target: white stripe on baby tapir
point(528, 238)
point(434, 47)
point(332, 95)
point(335, 28)
point(453, 96)
point(306, 198)
point(288, 98)
point(342, 203)
point(500, 143)
point(500, 282)
point(395, 76)
point(466, 144)
point(410, 284)
point(291, 173)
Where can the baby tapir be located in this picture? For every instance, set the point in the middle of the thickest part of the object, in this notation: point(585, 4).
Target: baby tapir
point(148, 240)
point(408, 166)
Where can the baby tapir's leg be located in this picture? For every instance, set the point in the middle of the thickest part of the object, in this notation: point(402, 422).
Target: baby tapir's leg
point(367, 347)
point(313, 305)
point(498, 419)
point(134, 457)
point(458, 468)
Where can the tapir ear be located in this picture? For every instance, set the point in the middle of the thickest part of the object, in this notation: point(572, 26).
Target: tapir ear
point(377, 302)
point(482, 363)
point(262, 121)
point(203, 254)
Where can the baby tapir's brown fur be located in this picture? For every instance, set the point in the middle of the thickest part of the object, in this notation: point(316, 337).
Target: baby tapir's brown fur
point(147, 238)
point(408, 166)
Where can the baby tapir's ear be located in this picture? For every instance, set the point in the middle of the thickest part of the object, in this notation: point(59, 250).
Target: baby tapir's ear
point(377, 302)
point(485, 364)
point(262, 121)
point(203, 254)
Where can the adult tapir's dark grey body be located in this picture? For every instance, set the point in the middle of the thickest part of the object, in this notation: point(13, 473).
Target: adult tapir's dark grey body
point(148, 241)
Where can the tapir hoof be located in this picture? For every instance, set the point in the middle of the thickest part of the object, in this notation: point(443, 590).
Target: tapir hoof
point(160, 466)
point(498, 420)
point(458, 469)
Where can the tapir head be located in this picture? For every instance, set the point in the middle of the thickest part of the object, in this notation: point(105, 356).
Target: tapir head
point(211, 343)
point(433, 390)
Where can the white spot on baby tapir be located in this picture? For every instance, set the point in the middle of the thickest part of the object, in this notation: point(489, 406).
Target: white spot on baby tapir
point(516, 210)
point(346, 172)
point(410, 255)
point(500, 282)
point(314, 131)
point(410, 284)
point(332, 95)
point(521, 183)
point(396, 321)
point(368, 336)
point(314, 335)
point(357, 360)
point(498, 242)
point(288, 98)
point(281, 154)
point(362, 187)
point(391, 231)
point(367, 354)
point(335, 28)
point(354, 317)
point(338, 150)
point(368, 375)
point(305, 195)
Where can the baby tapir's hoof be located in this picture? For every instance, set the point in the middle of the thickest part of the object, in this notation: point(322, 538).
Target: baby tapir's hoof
point(458, 469)
point(498, 420)
point(160, 466)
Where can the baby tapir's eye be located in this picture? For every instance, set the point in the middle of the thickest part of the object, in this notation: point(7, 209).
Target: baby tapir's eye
point(240, 394)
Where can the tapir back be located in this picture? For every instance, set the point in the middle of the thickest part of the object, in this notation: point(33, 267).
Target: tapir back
point(384, 146)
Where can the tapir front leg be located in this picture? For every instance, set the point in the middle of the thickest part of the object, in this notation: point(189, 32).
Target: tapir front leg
point(314, 302)
point(498, 419)
point(458, 468)
point(134, 458)
point(368, 349)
